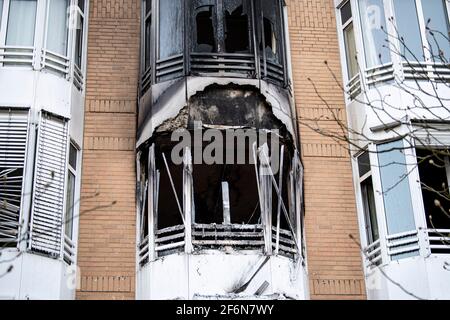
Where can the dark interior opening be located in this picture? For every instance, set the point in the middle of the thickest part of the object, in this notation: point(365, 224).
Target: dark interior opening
point(434, 181)
point(270, 39)
point(237, 33)
point(433, 178)
point(205, 29)
point(284, 195)
point(143, 186)
point(168, 214)
point(242, 184)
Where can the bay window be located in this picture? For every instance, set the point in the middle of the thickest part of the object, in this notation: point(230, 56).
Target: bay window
point(57, 26)
point(374, 32)
point(212, 38)
point(21, 23)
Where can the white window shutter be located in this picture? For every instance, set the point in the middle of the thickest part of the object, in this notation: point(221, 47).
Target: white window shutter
point(47, 223)
point(13, 142)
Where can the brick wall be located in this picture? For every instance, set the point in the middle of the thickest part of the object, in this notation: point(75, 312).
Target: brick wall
point(335, 266)
point(106, 254)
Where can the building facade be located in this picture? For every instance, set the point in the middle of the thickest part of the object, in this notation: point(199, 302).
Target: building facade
point(208, 149)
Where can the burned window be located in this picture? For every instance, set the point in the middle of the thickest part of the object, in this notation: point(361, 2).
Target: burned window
point(13, 139)
point(225, 27)
point(271, 31)
point(171, 28)
point(237, 27)
point(205, 35)
point(147, 33)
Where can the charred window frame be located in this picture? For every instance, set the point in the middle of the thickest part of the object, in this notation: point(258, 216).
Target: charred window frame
point(170, 46)
point(146, 45)
point(272, 40)
point(239, 38)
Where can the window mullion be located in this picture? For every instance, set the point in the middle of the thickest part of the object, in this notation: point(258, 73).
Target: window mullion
point(422, 24)
point(4, 22)
point(220, 27)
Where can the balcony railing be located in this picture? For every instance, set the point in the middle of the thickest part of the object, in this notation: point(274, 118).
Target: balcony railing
point(41, 59)
point(223, 64)
point(354, 87)
point(439, 240)
point(55, 62)
point(204, 64)
point(408, 244)
point(242, 237)
point(373, 254)
point(379, 74)
point(17, 56)
point(69, 251)
point(236, 237)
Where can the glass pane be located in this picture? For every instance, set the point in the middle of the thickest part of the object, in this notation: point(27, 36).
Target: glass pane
point(237, 27)
point(272, 30)
point(350, 51)
point(70, 203)
point(79, 42)
point(21, 23)
point(1, 12)
point(81, 4)
point(408, 30)
point(171, 28)
point(373, 24)
point(346, 12)
point(57, 26)
point(364, 164)
point(436, 19)
point(370, 211)
point(148, 6)
point(395, 188)
point(205, 34)
point(148, 25)
point(73, 155)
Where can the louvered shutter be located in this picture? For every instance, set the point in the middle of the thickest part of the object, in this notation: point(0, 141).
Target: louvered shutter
point(50, 174)
point(13, 141)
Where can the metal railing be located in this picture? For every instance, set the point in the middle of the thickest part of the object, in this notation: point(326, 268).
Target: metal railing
point(170, 240)
point(379, 74)
point(17, 56)
point(241, 237)
point(373, 254)
point(439, 241)
point(283, 245)
point(69, 251)
point(78, 77)
point(55, 62)
point(354, 87)
point(223, 64)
